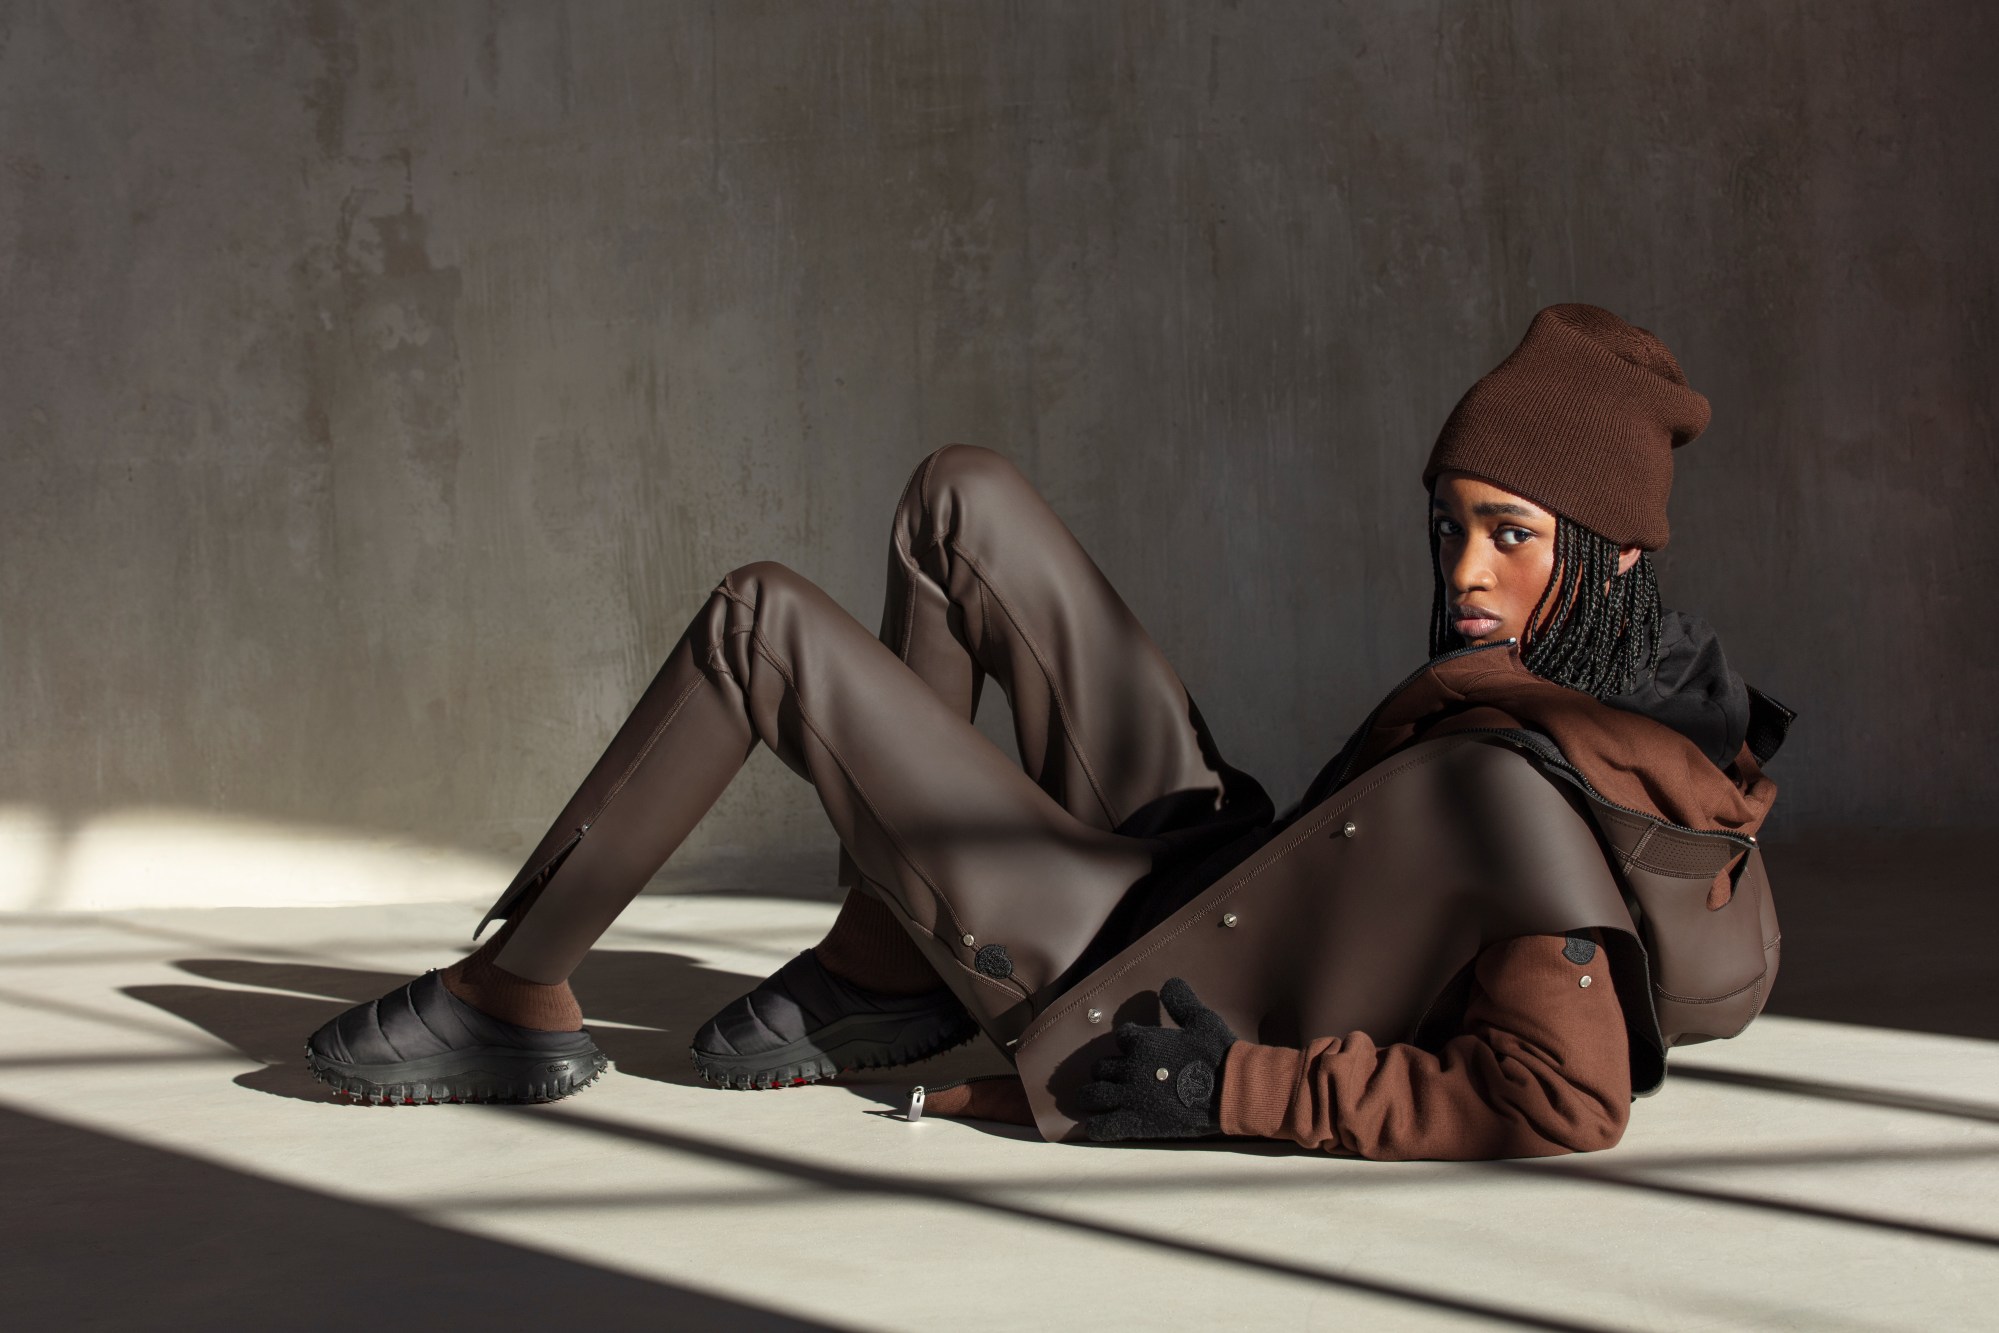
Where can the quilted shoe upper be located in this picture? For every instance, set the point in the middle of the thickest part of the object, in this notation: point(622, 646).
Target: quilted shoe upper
point(799, 999)
point(422, 1018)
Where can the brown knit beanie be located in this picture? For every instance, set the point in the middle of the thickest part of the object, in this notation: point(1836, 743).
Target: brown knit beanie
point(1581, 418)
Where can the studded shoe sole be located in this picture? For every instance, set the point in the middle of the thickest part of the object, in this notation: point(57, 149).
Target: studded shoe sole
point(476, 1075)
point(861, 1041)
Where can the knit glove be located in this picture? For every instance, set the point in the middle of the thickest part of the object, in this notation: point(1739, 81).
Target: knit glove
point(1167, 1082)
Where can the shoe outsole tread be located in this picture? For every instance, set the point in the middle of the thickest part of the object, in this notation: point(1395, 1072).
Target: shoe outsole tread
point(482, 1087)
point(744, 1073)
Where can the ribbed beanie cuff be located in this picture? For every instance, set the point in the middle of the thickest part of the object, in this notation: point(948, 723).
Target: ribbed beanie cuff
point(1582, 418)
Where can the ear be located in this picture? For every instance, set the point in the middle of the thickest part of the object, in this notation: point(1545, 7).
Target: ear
point(1627, 557)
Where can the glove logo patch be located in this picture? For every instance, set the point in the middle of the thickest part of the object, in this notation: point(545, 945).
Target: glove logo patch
point(994, 961)
point(1578, 950)
point(1196, 1086)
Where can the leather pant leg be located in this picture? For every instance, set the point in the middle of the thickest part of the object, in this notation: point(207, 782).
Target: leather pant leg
point(1001, 885)
point(985, 579)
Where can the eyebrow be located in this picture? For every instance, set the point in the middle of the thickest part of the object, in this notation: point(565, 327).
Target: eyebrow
point(1493, 509)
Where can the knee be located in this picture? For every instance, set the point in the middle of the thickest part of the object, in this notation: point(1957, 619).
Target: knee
point(963, 470)
point(752, 582)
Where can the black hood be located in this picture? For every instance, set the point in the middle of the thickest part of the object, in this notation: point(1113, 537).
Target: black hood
point(1692, 690)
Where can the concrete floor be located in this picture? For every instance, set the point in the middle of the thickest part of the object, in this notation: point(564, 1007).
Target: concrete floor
point(170, 1165)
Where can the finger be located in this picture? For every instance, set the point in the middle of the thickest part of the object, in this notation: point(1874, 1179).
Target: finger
point(1180, 1002)
point(1131, 1035)
point(1114, 1126)
point(1101, 1096)
point(1111, 1070)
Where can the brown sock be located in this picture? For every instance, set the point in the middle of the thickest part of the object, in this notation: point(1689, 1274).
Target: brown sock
point(498, 993)
point(869, 947)
point(988, 1097)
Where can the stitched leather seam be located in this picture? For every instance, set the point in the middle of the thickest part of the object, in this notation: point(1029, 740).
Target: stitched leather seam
point(1054, 692)
point(1754, 1009)
point(917, 482)
point(1631, 858)
point(1665, 994)
point(770, 654)
point(640, 758)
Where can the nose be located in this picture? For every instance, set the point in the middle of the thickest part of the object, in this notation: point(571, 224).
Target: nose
point(1469, 571)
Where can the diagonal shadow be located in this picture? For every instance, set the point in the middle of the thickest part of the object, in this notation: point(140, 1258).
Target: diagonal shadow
point(105, 1233)
point(1843, 1092)
point(1734, 1199)
point(844, 1181)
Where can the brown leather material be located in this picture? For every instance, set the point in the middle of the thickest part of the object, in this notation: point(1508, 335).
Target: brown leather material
point(1712, 967)
point(1118, 777)
point(1455, 844)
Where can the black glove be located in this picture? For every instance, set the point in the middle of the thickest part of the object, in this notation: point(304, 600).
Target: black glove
point(1167, 1083)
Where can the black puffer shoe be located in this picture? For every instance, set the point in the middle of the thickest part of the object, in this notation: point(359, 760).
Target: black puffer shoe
point(420, 1043)
point(803, 1024)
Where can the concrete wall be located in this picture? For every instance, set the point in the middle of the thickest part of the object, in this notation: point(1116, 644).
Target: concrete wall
point(383, 385)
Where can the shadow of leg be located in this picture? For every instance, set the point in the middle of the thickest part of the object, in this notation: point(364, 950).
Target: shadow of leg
point(665, 996)
point(265, 1027)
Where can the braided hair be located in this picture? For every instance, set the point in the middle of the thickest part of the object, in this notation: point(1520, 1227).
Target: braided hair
point(1604, 635)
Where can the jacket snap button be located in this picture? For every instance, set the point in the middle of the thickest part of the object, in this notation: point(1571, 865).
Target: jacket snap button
point(1228, 918)
point(1348, 829)
point(1095, 1015)
point(1584, 981)
point(968, 941)
point(1161, 1074)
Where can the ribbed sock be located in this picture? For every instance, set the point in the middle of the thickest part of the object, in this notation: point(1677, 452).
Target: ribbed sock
point(869, 947)
point(498, 993)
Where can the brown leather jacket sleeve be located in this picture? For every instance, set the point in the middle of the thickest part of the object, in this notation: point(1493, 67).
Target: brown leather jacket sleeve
point(1540, 1068)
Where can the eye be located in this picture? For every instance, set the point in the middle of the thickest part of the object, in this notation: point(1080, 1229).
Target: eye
point(1511, 536)
point(1443, 527)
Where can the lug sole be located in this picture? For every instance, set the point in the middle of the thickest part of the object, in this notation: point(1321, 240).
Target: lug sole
point(481, 1074)
point(837, 1049)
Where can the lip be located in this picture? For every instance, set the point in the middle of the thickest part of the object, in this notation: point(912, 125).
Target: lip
point(1473, 621)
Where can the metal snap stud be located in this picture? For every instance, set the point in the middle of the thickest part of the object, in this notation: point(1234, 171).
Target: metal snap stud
point(968, 941)
point(1348, 829)
point(1095, 1015)
point(1228, 918)
point(1161, 1074)
point(1584, 981)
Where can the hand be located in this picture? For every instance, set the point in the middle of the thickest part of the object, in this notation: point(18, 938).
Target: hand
point(1167, 1082)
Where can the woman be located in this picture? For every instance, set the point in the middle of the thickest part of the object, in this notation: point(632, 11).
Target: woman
point(1030, 900)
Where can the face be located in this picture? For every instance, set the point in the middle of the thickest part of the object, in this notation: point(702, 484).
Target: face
point(1496, 551)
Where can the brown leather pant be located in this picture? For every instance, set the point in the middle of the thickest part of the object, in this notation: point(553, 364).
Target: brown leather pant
point(1004, 873)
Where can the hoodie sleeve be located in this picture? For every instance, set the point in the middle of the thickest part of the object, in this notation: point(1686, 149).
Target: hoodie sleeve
point(1540, 1068)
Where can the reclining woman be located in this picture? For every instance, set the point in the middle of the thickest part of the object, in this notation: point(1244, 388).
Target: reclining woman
point(1534, 978)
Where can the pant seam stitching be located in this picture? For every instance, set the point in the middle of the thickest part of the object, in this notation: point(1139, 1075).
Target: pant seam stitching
point(640, 758)
point(1048, 676)
point(944, 904)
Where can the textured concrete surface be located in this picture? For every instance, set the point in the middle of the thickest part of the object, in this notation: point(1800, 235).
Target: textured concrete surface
point(169, 1165)
point(385, 384)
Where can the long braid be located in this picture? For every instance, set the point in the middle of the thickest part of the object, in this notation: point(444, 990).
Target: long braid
point(1604, 631)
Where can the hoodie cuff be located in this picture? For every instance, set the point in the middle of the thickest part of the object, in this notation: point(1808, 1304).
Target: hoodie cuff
point(1258, 1083)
